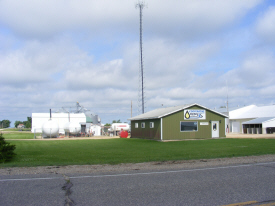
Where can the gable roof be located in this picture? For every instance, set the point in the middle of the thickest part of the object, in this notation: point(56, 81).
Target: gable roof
point(162, 112)
point(252, 111)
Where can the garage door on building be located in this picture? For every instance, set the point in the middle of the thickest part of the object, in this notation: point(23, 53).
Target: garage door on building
point(235, 127)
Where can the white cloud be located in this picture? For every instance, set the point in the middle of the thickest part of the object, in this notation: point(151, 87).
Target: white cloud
point(195, 18)
point(265, 25)
point(256, 71)
point(169, 65)
point(34, 63)
point(47, 18)
point(109, 74)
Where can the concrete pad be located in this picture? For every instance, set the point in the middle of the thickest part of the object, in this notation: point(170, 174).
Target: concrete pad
point(253, 136)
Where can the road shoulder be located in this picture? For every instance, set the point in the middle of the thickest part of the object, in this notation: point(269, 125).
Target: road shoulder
point(148, 166)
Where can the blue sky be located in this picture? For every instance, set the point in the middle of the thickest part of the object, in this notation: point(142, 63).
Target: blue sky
point(55, 53)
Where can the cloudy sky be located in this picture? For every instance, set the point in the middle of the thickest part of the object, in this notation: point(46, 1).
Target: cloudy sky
point(55, 53)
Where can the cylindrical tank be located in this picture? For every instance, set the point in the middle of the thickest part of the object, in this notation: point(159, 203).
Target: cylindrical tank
point(50, 129)
point(66, 128)
point(123, 134)
point(119, 126)
point(72, 127)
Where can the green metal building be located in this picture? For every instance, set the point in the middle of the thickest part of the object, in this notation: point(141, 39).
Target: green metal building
point(191, 121)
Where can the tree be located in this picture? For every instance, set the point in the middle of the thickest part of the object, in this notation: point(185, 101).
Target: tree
point(116, 121)
point(6, 150)
point(28, 123)
point(107, 125)
point(5, 123)
point(29, 119)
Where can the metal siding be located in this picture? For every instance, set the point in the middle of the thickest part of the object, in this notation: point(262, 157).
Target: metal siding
point(171, 126)
point(147, 132)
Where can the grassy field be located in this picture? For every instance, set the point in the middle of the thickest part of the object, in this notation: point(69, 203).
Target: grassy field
point(19, 135)
point(115, 151)
point(16, 129)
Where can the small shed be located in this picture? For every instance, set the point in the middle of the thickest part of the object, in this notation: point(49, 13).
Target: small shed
point(191, 121)
point(95, 130)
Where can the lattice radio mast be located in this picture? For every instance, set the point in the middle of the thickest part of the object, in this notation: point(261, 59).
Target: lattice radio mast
point(141, 5)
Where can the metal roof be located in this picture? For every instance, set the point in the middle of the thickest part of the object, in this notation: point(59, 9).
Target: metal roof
point(162, 112)
point(259, 120)
point(252, 111)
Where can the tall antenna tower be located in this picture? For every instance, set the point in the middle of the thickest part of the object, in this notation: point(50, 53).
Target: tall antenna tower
point(140, 5)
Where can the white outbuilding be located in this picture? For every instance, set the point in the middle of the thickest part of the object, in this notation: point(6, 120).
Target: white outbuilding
point(95, 130)
point(252, 119)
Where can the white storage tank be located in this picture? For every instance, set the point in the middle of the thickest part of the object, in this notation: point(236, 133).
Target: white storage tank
point(119, 126)
point(72, 128)
point(66, 127)
point(50, 129)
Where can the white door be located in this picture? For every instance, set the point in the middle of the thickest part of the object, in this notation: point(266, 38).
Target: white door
point(215, 129)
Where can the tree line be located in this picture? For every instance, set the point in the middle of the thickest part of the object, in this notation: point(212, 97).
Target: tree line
point(27, 124)
point(6, 123)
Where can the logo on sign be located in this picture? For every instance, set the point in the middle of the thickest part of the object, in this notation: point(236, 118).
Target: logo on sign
point(194, 114)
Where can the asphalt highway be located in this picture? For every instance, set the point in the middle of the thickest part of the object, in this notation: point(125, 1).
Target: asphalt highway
point(246, 184)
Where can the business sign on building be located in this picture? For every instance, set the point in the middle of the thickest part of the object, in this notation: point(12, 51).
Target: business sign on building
point(194, 114)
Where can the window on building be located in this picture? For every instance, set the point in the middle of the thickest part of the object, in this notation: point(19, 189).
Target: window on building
point(142, 124)
point(136, 125)
point(214, 126)
point(188, 126)
point(151, 124)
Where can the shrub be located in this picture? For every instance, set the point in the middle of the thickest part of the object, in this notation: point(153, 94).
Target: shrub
point(6, 150)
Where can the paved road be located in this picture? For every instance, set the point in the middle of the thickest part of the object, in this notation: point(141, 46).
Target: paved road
point(253, 183)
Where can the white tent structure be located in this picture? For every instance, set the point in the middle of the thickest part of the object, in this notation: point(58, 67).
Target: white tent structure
point(238, 117)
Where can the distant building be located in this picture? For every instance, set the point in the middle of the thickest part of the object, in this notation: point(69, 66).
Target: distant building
point(21, 126)
point(191, 121)
point(78, 121)
point(38, 119)
point(252, 120)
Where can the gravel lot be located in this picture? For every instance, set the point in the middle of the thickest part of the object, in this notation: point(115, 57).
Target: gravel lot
point(141, 167)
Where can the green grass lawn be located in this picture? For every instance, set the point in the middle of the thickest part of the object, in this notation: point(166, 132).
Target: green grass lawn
point(19, 135)
point(115, 151)
point(16, 129)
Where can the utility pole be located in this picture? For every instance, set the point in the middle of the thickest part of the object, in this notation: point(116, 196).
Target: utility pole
point(131, 108)
point(141, 5)
point(227, 99)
